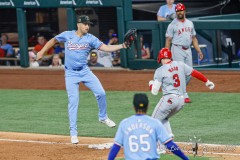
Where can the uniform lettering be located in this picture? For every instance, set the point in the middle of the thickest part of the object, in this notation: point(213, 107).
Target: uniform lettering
point(186, 29)
point(66, 2)
point(76, 46)
point(135, 126)
point(175, 68)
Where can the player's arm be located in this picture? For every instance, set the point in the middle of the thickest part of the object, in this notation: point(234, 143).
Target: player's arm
point(47, 46)
point(196, 46)
point(114, 151)
point(112, 48)
point(118, 142)
point(168, 42)
point(201, 77)
point(173, 147)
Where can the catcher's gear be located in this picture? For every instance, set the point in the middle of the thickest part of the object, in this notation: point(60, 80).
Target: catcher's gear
point(210, 84)
point(130, 37)
point(180, 7)
point(164, 53)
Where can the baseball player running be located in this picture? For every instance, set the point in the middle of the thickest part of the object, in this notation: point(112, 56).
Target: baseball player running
point(181, 34)
point(78, 44)
point(139, 134)
point(171, 77)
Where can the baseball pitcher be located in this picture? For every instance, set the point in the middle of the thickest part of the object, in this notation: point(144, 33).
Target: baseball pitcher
point(140, 133)
point(181, 34)
point(78, 44)
point(171, 77)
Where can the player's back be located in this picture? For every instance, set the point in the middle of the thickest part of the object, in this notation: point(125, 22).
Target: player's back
point(172, 75)
point(140, 134)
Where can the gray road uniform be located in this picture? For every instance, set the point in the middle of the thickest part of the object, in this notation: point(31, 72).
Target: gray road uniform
point(171, 77)
point(181, 34)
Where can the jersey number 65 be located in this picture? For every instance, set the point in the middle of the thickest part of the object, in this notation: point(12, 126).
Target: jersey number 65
point(140, 142)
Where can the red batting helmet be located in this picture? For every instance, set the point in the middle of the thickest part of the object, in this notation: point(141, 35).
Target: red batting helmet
point(164, 53)
point(180, 7)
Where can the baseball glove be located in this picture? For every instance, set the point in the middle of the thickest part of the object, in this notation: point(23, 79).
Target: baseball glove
point(130, 37)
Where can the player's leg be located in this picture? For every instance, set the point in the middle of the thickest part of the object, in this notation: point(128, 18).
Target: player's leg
point(188, 61)
point(72, 87)
point(93, 83)
point(162, 111)
point(168, 106)
point(177, 53)
point(167, 125)
point(160, 114)
point(156, 112)
point(177, 105)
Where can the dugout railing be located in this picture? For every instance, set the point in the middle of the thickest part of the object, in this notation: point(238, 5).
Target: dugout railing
point(208, 27)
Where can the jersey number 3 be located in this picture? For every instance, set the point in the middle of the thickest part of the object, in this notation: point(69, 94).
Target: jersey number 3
point(176, 80)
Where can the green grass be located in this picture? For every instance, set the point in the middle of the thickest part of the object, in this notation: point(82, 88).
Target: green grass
point(173, 157)
point(212, 117)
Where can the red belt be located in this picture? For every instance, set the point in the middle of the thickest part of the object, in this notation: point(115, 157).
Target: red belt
point(183, 47)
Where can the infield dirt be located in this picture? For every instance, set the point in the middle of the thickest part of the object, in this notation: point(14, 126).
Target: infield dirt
point(24, 146)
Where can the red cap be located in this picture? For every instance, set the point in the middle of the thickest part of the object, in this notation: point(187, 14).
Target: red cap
point(180, 7)
point(164, 53)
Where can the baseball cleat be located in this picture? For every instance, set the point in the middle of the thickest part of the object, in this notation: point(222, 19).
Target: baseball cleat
point(187, 100)
point(108, 122)
point(74, 140)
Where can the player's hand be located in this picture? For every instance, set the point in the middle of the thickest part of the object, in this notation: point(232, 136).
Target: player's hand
point(200, 55)
point(124, 46)
point(39, 55)
point(210, 84)
point(150, 84)
point(130, 37)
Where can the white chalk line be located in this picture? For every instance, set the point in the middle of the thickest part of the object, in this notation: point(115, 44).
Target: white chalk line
point(40, 142)
point(46, 142)
point(207, 144)
point(227, 154)
point(214, 147)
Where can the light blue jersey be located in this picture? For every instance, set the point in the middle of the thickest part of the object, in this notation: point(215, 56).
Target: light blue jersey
point(164, 11)
point(77, 48)
point(76, 71)
point(139, 135)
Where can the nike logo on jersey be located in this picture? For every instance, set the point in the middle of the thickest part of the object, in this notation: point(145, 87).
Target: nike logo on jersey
point(76, 46)
point(186, 29)
point(175, 68)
